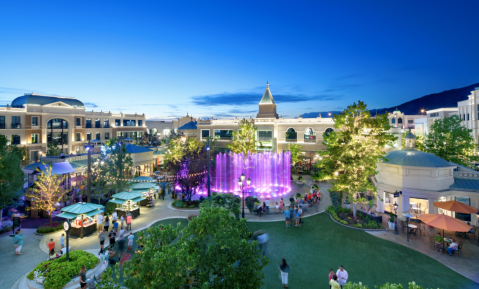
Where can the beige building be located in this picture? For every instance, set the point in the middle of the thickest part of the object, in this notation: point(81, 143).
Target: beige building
point(35, 120)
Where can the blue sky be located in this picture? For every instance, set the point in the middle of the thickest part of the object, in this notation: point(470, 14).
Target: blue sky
point(212, 58)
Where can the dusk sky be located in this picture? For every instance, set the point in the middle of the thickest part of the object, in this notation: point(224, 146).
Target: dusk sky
point(167, 58)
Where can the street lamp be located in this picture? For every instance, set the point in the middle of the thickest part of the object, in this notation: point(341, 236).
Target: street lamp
point(120, 143)
point(208, 165)
point(241, 185)
point(89, 148)
point(396, 219)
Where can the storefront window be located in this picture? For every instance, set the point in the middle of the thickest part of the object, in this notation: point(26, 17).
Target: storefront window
point(389, 201)
point(418, 207)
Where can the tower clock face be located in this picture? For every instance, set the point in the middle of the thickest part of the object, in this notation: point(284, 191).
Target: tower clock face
point(66, 226)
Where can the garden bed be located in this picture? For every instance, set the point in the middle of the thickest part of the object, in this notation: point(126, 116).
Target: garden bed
point(46, 228)
point(180, 204)
point(345, 217)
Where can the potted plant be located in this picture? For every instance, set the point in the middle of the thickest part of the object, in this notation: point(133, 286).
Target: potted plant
point(391, 221)
point(300, 180)
point(347, 203)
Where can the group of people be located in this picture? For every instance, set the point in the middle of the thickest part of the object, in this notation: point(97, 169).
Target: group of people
point(438, 240)
point(103, 229)
point(294, 213)
point(336, 280)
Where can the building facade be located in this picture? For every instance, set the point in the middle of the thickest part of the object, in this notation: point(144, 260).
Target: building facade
point(35, 120)
point(163, 129)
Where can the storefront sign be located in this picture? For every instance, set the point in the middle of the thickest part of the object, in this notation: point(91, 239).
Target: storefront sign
point(464, 200)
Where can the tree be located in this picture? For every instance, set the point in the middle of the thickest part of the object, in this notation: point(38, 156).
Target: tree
point(450, 140)
point(295, 150)
point(12, 177)
point(228, 201)
point(419, 141)
point(244, 138)
point(46, 193)
point(211, 252)
point(53, 149)
point(354, 149)
point(187, 161)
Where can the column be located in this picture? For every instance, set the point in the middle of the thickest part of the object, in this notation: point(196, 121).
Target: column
point(379, 203)
point(431, 207)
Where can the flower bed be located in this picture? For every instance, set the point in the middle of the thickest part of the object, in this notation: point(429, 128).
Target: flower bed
point(186, 204)
point(59, 272)
point(345, 217)
point(46, 228)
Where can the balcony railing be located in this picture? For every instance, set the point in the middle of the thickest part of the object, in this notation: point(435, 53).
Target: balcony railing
point(16, 125)
point(291, 140)
point(88, 126)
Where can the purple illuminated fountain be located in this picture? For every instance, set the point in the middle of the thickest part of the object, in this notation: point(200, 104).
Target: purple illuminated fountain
point(270, 173)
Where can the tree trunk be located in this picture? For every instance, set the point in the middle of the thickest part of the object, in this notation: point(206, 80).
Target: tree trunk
point(51, 220)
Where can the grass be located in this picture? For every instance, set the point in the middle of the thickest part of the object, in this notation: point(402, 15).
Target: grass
point(320, 245)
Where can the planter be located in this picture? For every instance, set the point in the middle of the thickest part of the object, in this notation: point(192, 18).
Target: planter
point(300, 182)
point(391, 225)
point(347, 206)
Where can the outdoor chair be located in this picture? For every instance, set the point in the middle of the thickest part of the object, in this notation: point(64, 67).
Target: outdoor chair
point(402, 226)
point(459, 249)
point(413, 231)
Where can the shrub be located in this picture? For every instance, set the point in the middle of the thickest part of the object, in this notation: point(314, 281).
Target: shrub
point(46, 228)
point(59, 272)
point(343, 222)
point(178, 204)
point(411, 285)
point(358, 225)
point(391, 217)
point(300, 178)
point(110, 208)
point(298, 195)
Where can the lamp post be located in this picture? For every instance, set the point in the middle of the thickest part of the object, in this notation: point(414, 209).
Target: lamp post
point(407, 223)
point(208, 166)
point(241, 184)
point(396, 219)
point(88, 148)
point(119, 146)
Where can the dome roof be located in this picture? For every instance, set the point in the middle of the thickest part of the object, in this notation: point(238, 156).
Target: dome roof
point(189, 125)
point(415, 158)
point(38, 99)
point(410, 135)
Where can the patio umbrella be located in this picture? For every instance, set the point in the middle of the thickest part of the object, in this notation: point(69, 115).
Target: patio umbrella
point(78, 178)
point(456, 206)
point(445, 223)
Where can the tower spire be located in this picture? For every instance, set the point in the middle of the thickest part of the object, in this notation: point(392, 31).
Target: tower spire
point(267, 83)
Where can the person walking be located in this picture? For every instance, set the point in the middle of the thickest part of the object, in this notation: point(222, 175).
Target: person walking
point(330, 276)
point(334, 282)
point(106, 226)
point(342, 276)
point(122, 220)
point(121, 247)
point(51, 245)
point(82, 277)
point(101, 236)
point(288, 218)
point(62, 241)
point(277, 208)
point(99, 220)
point(128, 221)
point(114, 216)
point(284, 271)
point(18, 242)
point(131, 238)
point(300, 211)
point(296, 216)
point(262, 241)
point(115, 226)
point(281, 204)
point(112, 236)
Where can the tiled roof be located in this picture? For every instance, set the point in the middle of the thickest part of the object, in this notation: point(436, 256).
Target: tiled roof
point(134, 149)
point(465, 184)
point(79, 163)
point(32, 99)
point(189, 125)
point(415, 158)
point(267, 97)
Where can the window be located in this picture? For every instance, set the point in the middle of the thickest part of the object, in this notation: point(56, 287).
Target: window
point(34, 120)
point(117, 122)
point(467, 116)
point(435, 114)
point(399, 120)
point(140, 122)
point(223, 134)
point(97, 136)
point(97, 123)
point(106, 123)
point(15, 139)
point(309, 135)
point(129, 122)
point(16, 122)
point(58, 138)
point(410, 121)
point(166, 132)
point(327, 132)
point(107, 135)
point(464, 117)
point(57, 123)
point(78, 136)
point(393, 121)
point(78, 121)
point(88, 136)
point(265, 135)
point(34, 156)
point(88, 123)
point(205, 133)
point(139, 134)
point(34, 138)
point(291, 135)
point(2, 122)
point(118, 134)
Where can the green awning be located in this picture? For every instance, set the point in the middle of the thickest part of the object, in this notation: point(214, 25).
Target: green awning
point(142, 186)
point(117, 201)
point(81, 208)
point(93, 213)
point(127, 195)
point(67, 215)
point(136, 200)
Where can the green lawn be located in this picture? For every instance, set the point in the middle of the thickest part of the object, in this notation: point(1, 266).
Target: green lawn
point(320, 244)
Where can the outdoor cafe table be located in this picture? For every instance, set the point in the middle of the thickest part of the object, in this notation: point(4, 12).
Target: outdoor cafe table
point(411, 226)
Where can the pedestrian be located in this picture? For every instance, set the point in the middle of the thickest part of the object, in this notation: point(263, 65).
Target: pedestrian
point(262, 241)
point(99, 220)
point(18, 241)
point(452, 247)
point(342, 276)
point(101, 236)
point(334, 282)
point(291, 202)
point(287, 217)
point(106, 226)
point(52, 254)
point(291, 213)
point(438, 240)
point(300, 211)
point(62, 241)
point(128, 221)
point(296, 216)
point(277, 208)
point(131, 238)
point(265, 208)
point(122, 220)
point(330, 276)
point(51, 245)
point(122, 231)
point(112, 236)
point(284, 271)
point(82, 276)
point(281, 204)
point(115, 226)
point(114, 216)
point(121, 247)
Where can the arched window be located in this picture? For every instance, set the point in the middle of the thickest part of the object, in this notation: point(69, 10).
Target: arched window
point(399, 120)
point(291, 135)
point(327, 132)
point(309, 135)
point(393, 120)
point(57, 123)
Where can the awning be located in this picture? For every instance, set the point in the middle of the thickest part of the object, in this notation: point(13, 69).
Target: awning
point(142, 186)
point(66, 215)
point(138, 199)
point(93, 213)
point(117, 201)
point(59, 168)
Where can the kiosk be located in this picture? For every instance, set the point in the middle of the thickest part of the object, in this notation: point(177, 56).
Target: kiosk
point(82, 218)
point(127, 202)
point(149, 191)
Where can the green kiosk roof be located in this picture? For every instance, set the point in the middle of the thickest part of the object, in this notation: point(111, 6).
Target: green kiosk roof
point(127, 195)
point(82, 208)
point(142, 186)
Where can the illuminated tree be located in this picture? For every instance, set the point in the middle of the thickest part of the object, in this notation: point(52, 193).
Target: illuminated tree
point(452, 141)
point(244, 138)
point(295, 150)
point(53, 149)
point(47, 192)
point(354, 149)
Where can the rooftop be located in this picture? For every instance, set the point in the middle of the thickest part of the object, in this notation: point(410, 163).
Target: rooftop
point(189, 125)
point(267, 96)
point(41, 99)
point(134, 149)
point(415, 158)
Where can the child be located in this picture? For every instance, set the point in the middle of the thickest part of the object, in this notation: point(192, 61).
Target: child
point(277, 208)
point(62, 241)
point(131, 238)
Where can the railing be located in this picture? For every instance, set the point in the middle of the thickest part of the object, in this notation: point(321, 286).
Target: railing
point(2, 126)
point(466, 175)
point(309, 140)
point(88, 126)
point(291, 140)
point(16, 125)
point(223, 138)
